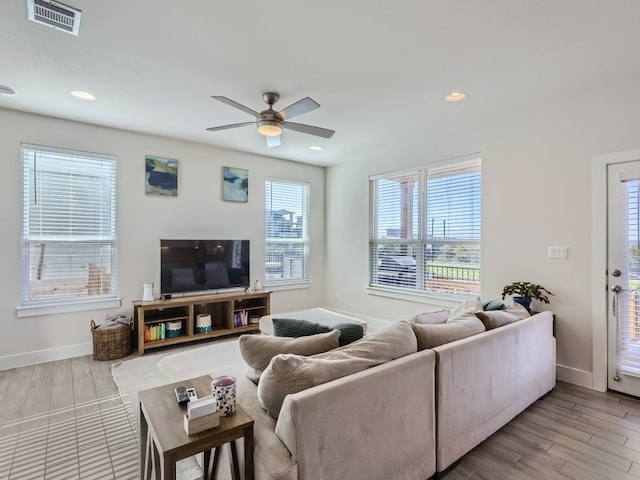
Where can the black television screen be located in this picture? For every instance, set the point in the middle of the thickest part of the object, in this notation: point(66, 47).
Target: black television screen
point(201, 265)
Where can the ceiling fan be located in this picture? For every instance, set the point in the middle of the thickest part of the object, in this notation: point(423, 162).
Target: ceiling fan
point(271, 123)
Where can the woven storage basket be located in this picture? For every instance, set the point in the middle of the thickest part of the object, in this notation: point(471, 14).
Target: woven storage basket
point(111, 343)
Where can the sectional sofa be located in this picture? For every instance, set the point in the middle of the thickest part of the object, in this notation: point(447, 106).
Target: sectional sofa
point(412, 417)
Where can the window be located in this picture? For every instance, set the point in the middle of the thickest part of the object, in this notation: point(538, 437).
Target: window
point(425, 228)
point(286, 232)
point(68, 226)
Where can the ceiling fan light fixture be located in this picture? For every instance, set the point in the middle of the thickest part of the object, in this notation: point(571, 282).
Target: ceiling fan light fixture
point(269, 128)
point(456, 96)
point(83, 95)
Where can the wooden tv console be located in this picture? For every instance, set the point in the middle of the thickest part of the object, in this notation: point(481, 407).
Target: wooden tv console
point(223, 308)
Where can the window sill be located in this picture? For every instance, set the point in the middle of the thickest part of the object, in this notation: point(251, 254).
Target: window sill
point(277, 287)
point(54, 308)
point(443, 300)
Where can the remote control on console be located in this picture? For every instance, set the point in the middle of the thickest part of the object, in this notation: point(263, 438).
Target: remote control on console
point(181, 395)
point(191, 393)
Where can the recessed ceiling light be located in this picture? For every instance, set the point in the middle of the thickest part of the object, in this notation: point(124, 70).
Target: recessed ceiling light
point(315, 148)
point(83, 95)
point(7, 91)
point(455, 96)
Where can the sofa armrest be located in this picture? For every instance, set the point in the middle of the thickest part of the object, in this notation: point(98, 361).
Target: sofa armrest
point(485, 380)
point(369, 425)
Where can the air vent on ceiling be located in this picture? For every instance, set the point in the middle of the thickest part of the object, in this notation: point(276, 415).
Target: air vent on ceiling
point(55, 15)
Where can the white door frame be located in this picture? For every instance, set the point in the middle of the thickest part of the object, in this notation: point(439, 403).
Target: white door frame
point(599, 260)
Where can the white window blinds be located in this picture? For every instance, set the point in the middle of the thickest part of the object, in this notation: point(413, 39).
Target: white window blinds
point(286, 232)
point(628, 300)
point(69, 225)
point(425, 228)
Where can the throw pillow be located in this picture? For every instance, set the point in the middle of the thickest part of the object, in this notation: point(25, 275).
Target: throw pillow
point(293, 327)
point(493, 305)
point(466, 309)
point(288, 374)
point(258, 350)
point(498, 318)
point(440, 316)
point(349, 332)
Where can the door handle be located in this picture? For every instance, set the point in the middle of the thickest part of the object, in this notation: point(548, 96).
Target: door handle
point(616, 289)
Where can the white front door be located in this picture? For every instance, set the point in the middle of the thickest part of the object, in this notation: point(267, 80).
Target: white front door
point(623, 277)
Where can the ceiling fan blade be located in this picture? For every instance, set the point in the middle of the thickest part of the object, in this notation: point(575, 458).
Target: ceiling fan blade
point(233, 125)
point(237, 105)
point(301, 106)
point(309, 129)
point(273, 141)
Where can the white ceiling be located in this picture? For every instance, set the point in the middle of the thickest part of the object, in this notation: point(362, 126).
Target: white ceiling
point(380, 70)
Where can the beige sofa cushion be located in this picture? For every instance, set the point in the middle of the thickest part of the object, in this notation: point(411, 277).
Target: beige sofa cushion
point(498, 318)
point(293, 373)
point(258, 350)
point(462, 323)
point(430, 336)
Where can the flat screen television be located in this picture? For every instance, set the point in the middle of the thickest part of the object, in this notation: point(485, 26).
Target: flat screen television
point(202, 265)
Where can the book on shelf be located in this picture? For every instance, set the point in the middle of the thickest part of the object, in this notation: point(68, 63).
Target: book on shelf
point(155, 332)
point(240, 318)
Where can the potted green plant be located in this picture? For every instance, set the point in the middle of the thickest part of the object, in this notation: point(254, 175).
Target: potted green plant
point(524, 292)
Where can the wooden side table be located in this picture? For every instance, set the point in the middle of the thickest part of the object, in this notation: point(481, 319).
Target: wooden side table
point(163, 440)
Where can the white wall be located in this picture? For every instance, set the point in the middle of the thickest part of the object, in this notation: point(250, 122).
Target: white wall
point(536, 193)
point(197, 212)
point(536, 187)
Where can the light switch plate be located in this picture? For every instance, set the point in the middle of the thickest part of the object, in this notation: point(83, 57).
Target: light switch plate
point(558, 252)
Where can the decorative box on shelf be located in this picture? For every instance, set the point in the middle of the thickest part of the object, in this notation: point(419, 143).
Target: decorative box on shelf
point(173, 329)
point(203, 323)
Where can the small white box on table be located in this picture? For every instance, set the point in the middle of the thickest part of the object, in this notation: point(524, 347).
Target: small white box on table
point(202, 414)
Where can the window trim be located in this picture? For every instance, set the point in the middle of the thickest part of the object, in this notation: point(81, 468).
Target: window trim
point(67, 307)
point(29, 308)
point(415, 294)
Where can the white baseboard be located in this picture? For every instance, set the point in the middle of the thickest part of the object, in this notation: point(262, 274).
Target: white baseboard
point(574, 375)
point(42, 356)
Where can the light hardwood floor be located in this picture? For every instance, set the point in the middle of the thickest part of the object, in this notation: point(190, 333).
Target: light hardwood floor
point(573, 433)
point(65, 420)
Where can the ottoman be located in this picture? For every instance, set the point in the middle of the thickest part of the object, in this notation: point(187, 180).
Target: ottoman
point(316, 315)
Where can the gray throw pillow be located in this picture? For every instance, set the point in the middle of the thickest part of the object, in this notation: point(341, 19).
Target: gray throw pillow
point(349, 332)
point(493, 305)
point(294, 327)
point(287, 374)
point(258, 350)
point(498, 318)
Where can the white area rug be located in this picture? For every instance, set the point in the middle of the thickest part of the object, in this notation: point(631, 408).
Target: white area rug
point(132, 376)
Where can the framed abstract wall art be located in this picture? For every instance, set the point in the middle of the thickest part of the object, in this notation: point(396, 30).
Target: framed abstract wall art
point(161, 176)
point(235, 184)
